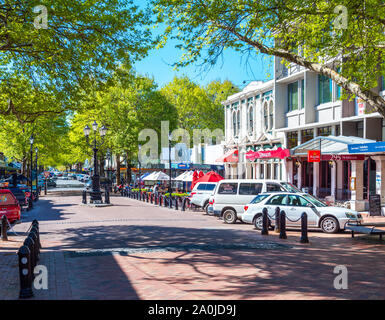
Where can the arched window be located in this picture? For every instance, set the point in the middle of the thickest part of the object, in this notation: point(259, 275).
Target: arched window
point(239, 121)
point(266, 116)
point(251, 119)
point(271, 115)
point(234, 124)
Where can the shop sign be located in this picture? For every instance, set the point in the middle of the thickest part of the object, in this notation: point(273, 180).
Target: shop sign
point(46, 174)
point(367, 147)
point(360, 107)
point(342, 157)
point(314, 156)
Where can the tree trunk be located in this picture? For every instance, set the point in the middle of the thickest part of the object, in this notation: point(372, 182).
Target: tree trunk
point(118, 169)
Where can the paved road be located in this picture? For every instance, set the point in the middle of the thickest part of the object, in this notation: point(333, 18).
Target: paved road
point(135, 250)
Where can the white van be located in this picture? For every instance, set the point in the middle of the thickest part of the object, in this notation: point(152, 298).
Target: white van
point(201, 193)
point(230, 196)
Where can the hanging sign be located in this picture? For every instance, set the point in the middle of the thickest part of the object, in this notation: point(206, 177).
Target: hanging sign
point(314, 156)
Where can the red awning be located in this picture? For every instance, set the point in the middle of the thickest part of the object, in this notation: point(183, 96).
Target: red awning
point(231, 156)
point(279, 153)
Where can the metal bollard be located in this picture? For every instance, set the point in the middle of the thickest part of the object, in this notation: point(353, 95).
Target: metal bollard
point(304, 237)
point(30, 244)
point(33, 235)
point(25, 273)
point(282, 227)
point(147, 197)
point(4, 225)
point(165, 201)
point(170, 201)
point(176, 203)
point(84, 201)
point(277, 212)
point(184, 204)
point(107, 197)
point(265, 223)
point(36, 230)
point(160, 200)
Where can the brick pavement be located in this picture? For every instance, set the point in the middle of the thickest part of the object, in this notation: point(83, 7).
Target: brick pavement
point(293, 272)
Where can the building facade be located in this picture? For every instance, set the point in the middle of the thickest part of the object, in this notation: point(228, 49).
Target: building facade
point(300, 110)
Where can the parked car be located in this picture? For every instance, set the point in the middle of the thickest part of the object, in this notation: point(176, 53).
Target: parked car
point(201, 193)
point(18, 192)
point(9, 206)
point(51, 183)
point(230, 196)
point(319, 215)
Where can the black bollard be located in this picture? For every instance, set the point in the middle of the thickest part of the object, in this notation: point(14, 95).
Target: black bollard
point(30, 244)
point(30, 203)
point(304, 237)
point(170, 201)
point(176, 202)
point(25, 273)
point(277, 212)
point(33, 235)
point(84, 201)
point(4, 225)
point(183, 204)
point(107, 197)
point(36, 230)
point(265, 223)
point(282, 226)
point(165, 201)
point(146, 197)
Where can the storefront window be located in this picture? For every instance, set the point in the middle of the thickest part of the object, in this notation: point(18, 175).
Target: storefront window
point(292, 99)
point(324, 89)
point(338, 130)
point(292, 139)
point(307, 135)
point(324, 131)
point(360, 129)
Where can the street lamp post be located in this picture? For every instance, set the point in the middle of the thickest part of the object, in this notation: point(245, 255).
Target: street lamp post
point(108, 155)
point(31, 140)
point(140, 173)
point(96, 194)
point(37, 179)
point(169, 158)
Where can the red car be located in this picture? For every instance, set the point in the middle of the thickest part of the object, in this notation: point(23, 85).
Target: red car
point(9, 206)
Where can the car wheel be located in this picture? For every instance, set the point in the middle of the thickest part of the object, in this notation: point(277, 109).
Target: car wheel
point(330, 225)
point(258, 222)
point(230, 216)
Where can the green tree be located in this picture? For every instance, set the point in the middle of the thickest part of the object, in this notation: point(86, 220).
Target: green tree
point(198, 107)
point(82, 41)
point(306, 32)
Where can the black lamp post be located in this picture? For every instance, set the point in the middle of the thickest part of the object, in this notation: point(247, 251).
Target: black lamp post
point(31, 140)
point(108, 156)
point(169, 158)
point(96, 194)
point(140, 173)
point(37, 179)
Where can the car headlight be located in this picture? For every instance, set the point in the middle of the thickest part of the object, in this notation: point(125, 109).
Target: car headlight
point(350, 215)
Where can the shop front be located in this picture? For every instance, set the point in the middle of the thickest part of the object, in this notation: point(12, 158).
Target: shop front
point(336, 173)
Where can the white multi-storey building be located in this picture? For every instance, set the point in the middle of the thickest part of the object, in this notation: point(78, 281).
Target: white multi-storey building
point(301, 110)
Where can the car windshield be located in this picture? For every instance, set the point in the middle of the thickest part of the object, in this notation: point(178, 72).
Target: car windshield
point(259, 198)
point(289, 187)
point(314, 201)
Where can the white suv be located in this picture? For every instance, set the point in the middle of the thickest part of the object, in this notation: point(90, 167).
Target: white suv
point(201, 193)
point(230, 196)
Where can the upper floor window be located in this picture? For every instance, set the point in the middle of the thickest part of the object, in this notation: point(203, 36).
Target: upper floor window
point(307, 135)
point(324, 89)
point(266, 116)
point(302, 94)
point(238, 121)
point(251, 119)
point(292, 90)
point(292, 139)
point(271, 114)
point(324, 131)
point(234, 123)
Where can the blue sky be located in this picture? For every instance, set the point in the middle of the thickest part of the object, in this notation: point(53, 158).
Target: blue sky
point(232, 66)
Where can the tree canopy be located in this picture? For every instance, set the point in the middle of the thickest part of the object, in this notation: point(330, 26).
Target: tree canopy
point(343, 40)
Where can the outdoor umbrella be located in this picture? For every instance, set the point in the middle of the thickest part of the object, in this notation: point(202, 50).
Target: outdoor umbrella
point(188, 177)
point(211, 176)
point(150, 177)
point(160, 176)
point(144, 175)
point(181, 176)
point(201, 174)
